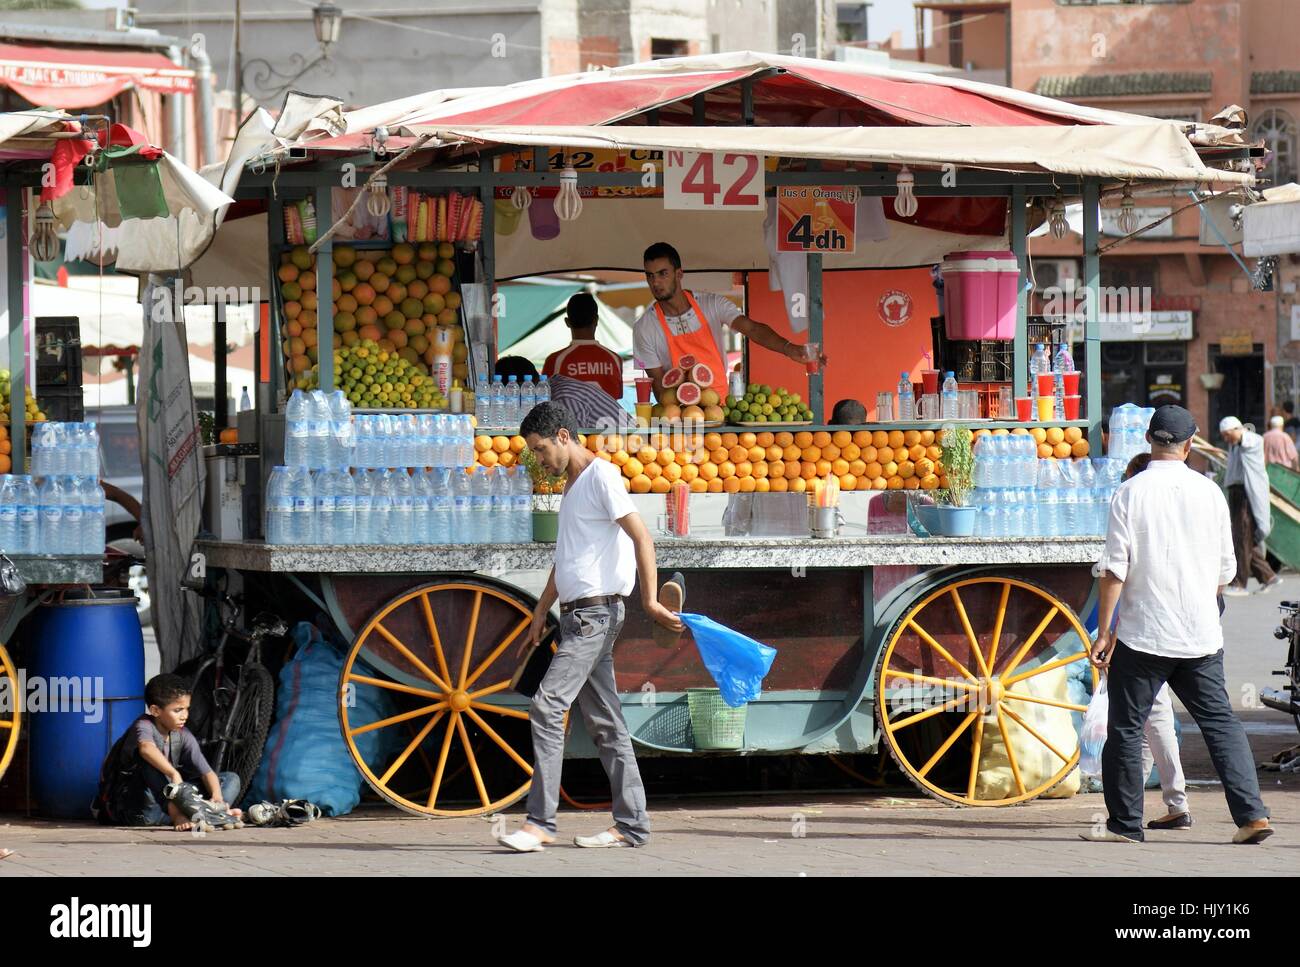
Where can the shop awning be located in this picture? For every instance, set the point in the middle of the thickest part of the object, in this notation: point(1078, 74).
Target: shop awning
point(78, 77)
point(1272, 226)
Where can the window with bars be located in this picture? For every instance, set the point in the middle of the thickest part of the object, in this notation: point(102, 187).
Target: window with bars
point(1277, 129)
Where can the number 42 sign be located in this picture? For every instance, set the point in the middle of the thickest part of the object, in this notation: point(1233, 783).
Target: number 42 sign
point(713, 181)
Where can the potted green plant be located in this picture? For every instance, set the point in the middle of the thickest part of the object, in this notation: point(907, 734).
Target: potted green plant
point(547, 491)
point(956, 518)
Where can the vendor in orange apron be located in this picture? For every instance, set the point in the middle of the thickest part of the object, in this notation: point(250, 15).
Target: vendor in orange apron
point(698, 344)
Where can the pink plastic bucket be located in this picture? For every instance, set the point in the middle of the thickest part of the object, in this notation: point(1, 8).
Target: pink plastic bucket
point(980, 294)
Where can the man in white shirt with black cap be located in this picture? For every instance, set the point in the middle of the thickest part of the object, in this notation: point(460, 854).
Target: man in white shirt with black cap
point(1169, 550)
point(602, 548)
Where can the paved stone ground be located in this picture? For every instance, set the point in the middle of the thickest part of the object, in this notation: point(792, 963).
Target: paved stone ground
point(873, 833)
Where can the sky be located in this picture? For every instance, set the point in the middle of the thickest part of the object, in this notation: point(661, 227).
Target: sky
point(886, 16)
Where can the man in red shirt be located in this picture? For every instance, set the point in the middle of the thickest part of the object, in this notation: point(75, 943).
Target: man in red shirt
point(584, 358)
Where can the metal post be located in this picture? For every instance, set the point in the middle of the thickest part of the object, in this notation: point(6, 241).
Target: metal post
point(1019, 241)
point(489, 280)
point(1092, 306)
point(15, 228)
point(324, 289)
point(239, 67)
point(220, 394)
point(265, 398)
point(815, 381)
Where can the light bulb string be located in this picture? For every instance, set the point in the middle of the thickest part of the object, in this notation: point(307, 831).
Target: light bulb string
point(333, 229)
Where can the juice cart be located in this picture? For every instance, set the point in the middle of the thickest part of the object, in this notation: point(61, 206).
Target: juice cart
point(955, 654)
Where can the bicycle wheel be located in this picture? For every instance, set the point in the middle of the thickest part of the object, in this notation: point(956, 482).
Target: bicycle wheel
point(248, 724)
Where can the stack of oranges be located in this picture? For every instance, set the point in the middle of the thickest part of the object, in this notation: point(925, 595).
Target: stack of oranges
point(6, 450)
point(498, 451)
point(1053, 442)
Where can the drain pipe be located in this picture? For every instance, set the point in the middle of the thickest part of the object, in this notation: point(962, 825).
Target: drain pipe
point(176, 112)
point(206, 121)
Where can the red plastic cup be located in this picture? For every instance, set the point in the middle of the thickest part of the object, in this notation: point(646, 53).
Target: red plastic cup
point(1072, 384)
point(1072, 407)
point(929, 381)
point(1046, 384)
point(643, 386)
point(1024, 409)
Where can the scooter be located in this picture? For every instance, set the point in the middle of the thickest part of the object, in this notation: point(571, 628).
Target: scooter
point(1287, 699)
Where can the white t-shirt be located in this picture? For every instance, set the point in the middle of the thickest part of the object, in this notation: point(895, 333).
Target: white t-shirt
point(650, 346)
point(593, 555)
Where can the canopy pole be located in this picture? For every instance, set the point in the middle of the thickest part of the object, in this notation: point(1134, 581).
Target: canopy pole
point(220, 391)
point(815, 380)
point(1019, 245)
point(324, 290)
point(1092, 310)
point(16, 229)
point(488, 257)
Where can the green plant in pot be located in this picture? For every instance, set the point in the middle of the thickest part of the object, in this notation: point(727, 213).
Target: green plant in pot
point(955, 515)
point(548, 488)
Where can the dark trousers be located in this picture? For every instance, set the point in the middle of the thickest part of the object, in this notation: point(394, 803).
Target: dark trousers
point(1250, 552)
point(142, 802)
point(1132, 683)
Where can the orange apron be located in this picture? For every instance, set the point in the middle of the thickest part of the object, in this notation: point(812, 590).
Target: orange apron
point(699, 344)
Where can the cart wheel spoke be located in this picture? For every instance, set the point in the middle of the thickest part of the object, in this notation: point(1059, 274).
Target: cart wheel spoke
point(473, 762)
point(1032, 731)
point(931, 680)
point(513, 713)
point(928, 713)
point(997, 625)
point(490, 690)
point(970, 633)
point(505, 746)
point(1029, 642)
point(1011, 753)
point(434, 637)
point(943, 652)
point(1050, 666)
point(976, 748)
point(470, 634)
point(395, 686)
point(496, 652)
point(442, 759)
point(1021, 697)
point(943, 749)
point(425, 670)
point(4, 724)
point(415, 744)
point(394, 719)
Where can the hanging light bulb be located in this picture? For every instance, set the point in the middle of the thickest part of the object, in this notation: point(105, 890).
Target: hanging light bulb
point(44, 243)
point(905, 201)
point(1056, 217)
point(377, 196)
point(568, 206)
point(522, 196)
point(1128, 218)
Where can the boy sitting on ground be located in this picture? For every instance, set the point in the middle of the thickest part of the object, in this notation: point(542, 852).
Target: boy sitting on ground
point(156, 751)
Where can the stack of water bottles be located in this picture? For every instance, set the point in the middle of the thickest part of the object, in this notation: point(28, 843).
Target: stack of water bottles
point(1018, 495)
point(59, 509)
point(503, 405)
point(391, 479)
point(1128, 431)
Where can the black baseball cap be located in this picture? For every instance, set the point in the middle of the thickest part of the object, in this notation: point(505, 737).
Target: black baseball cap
point(1171, 424)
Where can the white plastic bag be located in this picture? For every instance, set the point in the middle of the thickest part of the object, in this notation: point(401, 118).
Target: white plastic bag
point(1093, 734)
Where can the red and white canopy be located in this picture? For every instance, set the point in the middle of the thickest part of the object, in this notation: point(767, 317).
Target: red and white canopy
point(78, 77)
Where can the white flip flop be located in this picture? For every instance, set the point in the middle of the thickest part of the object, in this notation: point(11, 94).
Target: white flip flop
point(602, 840)
point(522, 842)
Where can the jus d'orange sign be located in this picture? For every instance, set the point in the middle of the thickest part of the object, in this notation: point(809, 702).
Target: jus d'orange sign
point(816, 218)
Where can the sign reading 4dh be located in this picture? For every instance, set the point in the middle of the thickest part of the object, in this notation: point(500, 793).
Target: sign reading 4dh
point(816, 218)
point(713, 181)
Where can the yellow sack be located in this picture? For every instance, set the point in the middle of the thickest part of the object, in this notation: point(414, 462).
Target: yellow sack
point(1037, 763)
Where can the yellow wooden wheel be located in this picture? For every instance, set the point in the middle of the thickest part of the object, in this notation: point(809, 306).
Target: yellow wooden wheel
point(958, 682)
point(11, 709)
point(452, 739)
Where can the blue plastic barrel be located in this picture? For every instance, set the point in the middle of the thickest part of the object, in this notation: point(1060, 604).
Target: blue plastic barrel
point(85, 685)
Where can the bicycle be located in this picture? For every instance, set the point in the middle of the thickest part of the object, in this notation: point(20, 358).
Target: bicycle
point(232, 704)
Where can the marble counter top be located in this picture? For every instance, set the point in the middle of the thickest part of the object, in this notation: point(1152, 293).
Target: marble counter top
point(779, 553)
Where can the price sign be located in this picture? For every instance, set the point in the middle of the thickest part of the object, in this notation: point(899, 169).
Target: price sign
point(816, 218)
point(713, 181)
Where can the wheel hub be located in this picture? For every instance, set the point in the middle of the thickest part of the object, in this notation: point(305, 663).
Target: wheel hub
point(990, 693)
point(459, 701)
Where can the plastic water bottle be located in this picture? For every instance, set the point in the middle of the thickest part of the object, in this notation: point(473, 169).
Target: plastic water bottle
point(50, 501)
point(91, 498)
point(497, 416)
point(296, 429)
point(906, 399)
point(1049, 519)
point(342, 434)
point(74, 515)
point(480, 490)
point(1069, 508)
point(301, 491)
point(948, 409)
point(363, 504)
point(402, 528)
point(279, 505)
point(464, 442)
point(483, 401)
point(527, 398)
point(439, 490)
point(318, 430)
point(511, 415)
point(9, 514)
point(501, 524)
point(345, 509)
point(1064, 362)
point(460, 511)
point(245, 403)
point(29, 520)
point(92, 445)
point(523, 501)
point(543, 395)
point(322, 528)
point(1038, 363)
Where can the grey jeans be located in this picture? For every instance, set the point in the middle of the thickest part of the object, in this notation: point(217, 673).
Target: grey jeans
point(582, 671)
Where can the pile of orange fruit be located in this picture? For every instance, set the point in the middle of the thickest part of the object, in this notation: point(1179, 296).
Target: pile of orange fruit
point(1061, 443)
point(6, 450)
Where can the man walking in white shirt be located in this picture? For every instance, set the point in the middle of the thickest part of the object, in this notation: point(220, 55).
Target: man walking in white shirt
point(1169, 548)
point(603, 547)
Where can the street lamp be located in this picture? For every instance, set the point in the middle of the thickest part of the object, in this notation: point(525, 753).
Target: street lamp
point(267, 81)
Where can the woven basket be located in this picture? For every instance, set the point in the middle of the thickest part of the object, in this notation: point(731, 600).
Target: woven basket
point(715, 723)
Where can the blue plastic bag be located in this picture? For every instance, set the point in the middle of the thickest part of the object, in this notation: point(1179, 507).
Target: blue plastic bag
point(737, 663)
point(305, 756)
